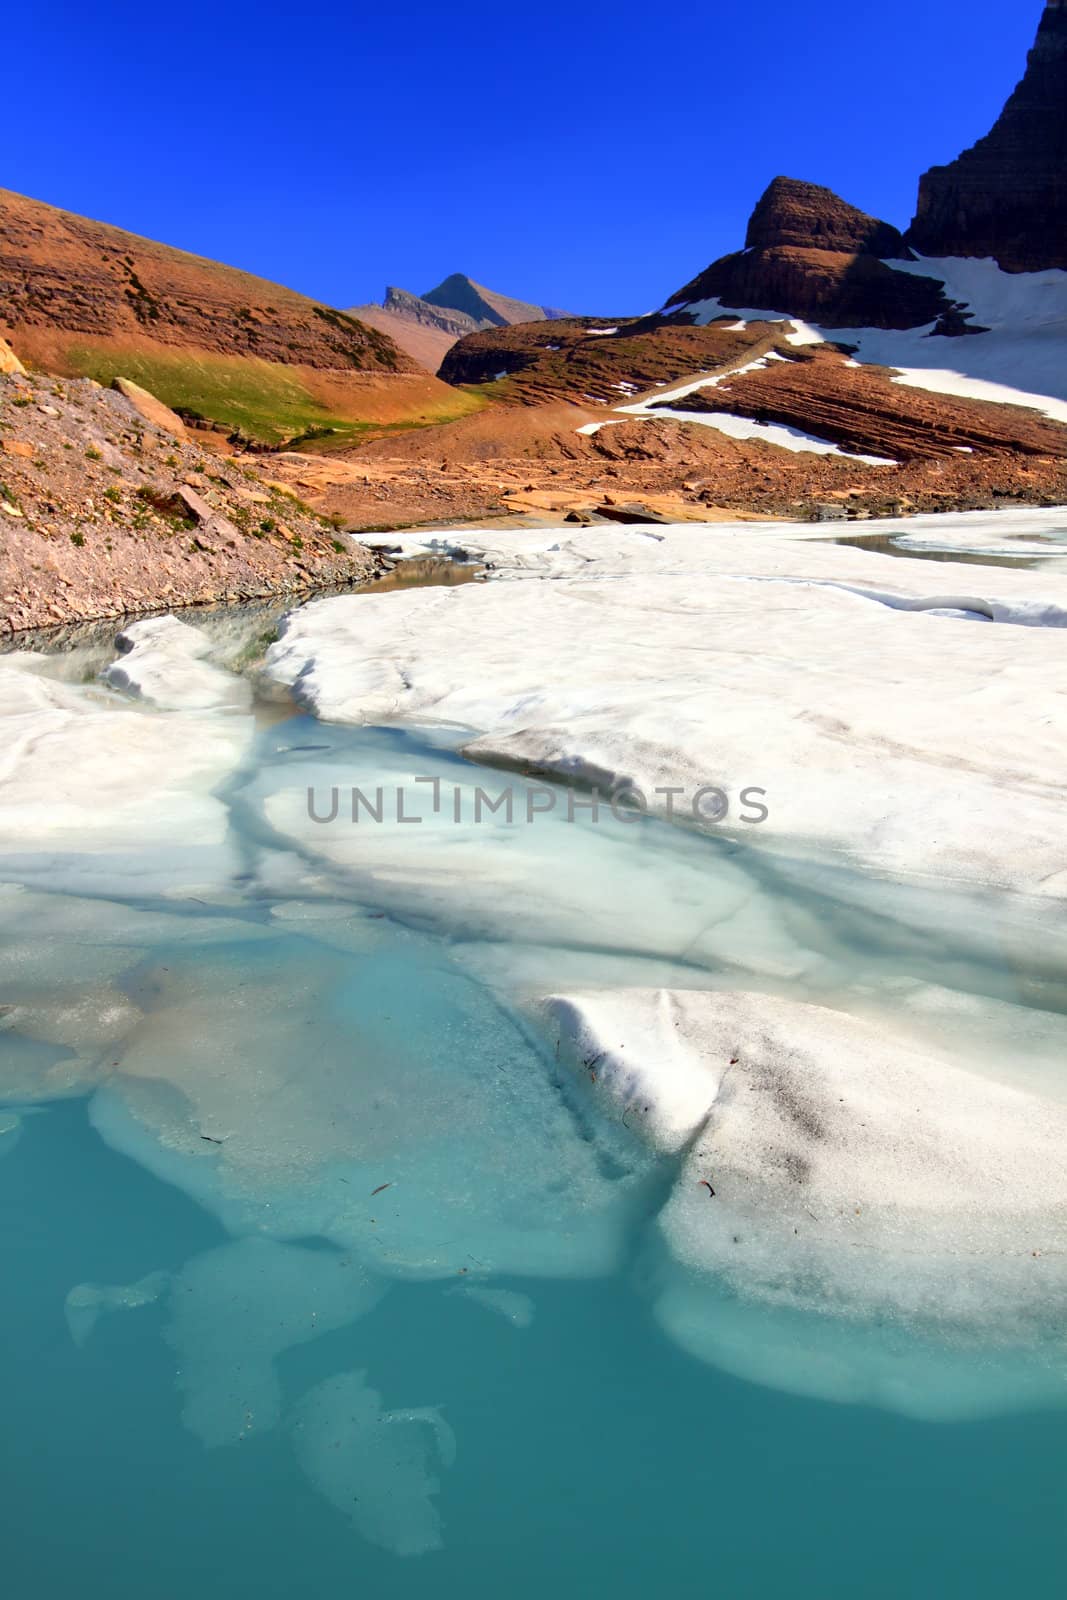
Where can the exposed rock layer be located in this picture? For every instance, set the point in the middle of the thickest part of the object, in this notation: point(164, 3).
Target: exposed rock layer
point(805, 216)
point(531, 364)
point(864, 412)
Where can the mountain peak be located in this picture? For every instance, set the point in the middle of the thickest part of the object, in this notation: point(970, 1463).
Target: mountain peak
point(812, 254)
point(1007, 196)
point(805, 216)
point(427, 326)
point(460, 293)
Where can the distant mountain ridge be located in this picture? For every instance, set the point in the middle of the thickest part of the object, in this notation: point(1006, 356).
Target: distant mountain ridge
point(460, 293)
point(427, 326)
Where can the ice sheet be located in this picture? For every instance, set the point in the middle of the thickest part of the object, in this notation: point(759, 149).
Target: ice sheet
point(745, 659)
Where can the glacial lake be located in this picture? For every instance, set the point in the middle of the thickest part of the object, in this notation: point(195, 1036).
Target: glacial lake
point(322, 1277)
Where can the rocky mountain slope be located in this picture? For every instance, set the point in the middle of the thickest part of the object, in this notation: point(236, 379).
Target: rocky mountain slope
point(585, 361)
point(427, 326)
point(460, 293)
point(82, 298)
point(1007, 197)
point(108, 507)
point(817, 390)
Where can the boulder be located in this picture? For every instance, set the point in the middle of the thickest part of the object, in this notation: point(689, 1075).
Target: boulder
point(9, 361)
point(632, 512)
point(152, 410)
point(195, 504)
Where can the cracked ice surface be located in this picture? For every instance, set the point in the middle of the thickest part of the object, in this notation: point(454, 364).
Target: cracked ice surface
point(740, 657)
point(340, 1034)
point(92, 792)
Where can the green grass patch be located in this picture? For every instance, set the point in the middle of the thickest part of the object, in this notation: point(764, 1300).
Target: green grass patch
point(262, 399)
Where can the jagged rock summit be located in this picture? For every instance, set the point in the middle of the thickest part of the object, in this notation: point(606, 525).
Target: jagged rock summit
point(1007, 196)
point(809, 252)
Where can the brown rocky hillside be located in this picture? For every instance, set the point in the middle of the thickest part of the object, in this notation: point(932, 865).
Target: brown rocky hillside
point(588, 360)
point(66, 274)
point(82, 298)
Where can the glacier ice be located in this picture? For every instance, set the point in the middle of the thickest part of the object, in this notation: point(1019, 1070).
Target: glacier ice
point(516, 1308)
point(741, 657)
point(94, 792)
point(833, 1170)
point(484, 1052)
point(285, 1115)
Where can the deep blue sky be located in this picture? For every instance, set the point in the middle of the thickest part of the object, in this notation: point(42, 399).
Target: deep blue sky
point(589, 156)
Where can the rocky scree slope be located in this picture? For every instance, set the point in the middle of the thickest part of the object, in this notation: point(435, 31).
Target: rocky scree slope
point(107, 508)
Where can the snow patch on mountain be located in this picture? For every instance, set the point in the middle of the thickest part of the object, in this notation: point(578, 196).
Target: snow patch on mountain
point(1019, 359)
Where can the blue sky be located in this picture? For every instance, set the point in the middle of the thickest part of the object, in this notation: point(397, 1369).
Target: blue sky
point(590, 157)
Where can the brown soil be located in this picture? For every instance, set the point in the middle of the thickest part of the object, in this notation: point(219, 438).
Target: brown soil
point(533, 462)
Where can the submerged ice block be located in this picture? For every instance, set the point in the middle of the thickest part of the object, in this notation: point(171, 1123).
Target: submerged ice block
point(381, 1100)
point(377, 1467)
